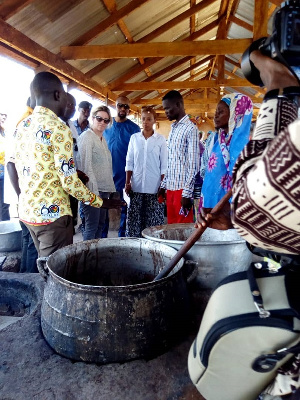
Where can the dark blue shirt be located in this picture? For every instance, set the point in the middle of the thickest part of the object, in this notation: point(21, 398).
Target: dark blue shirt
point(78, 128)
point(117, 138)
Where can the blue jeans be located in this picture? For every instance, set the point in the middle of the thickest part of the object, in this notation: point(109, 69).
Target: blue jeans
point(123, 217)
point(94, 219)
point(29, 252)
point(4, 207)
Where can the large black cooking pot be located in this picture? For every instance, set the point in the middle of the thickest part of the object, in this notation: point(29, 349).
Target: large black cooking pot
point(101, 305)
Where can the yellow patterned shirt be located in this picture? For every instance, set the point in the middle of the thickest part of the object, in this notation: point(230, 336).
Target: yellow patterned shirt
point(46, 169)
point(2, 155)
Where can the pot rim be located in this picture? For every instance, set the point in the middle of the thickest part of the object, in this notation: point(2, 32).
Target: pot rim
point(146, 235)
point(136, 287)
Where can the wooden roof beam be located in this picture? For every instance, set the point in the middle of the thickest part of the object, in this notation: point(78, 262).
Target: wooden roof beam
point(23, 44)
point(203, 61)
point(162, 49)
point(233, 76)
point(137, 68)
point(236, 64)
point(10, 7)
point(111, 7)
point(153, 76)
point(177, 20)
point(151, 36)
point(131, 6)
point(241, 23)
point(227, 8)
point(179, 74)
point(192, 30)
point(207, 100)
point(260, 25)
point(108, 22)
point(17, 56)
point(276, 2)
point(135, 86)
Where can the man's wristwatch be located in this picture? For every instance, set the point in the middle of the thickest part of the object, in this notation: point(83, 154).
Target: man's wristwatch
point(290, 93)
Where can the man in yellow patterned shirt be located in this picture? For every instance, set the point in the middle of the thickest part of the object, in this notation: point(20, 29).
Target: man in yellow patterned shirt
point(46, 170)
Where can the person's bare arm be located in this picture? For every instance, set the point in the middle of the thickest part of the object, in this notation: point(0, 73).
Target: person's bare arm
point(13, 176)
point(128, 182)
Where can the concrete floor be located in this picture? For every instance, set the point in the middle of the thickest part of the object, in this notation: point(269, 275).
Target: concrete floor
point(30, 369)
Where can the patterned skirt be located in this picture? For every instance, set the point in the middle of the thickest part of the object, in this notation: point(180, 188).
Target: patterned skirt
point(144, 211)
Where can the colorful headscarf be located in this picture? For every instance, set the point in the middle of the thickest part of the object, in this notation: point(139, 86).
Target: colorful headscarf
point(226, 149)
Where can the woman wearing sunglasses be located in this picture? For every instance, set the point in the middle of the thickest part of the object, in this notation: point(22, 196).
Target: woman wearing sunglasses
point(97, 165)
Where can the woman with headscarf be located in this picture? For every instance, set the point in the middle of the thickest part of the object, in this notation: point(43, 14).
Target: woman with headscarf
point(232, 122)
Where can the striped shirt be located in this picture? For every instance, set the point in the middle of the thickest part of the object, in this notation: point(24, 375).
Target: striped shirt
point(183, 157)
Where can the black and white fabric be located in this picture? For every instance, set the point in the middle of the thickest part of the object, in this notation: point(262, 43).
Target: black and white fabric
point(286, 384)
point(266, 201)
point(144, 211)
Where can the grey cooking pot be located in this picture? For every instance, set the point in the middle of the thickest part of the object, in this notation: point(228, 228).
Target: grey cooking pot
point(101, 305)
point(217, 253)
point(10, 235)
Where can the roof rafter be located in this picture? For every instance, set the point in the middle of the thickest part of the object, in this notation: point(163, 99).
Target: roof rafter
point(168, 69)
point(137, 69)
point(20, 42)
point(241, 23)
point(207, 100)
point(111, 7)
point(108, 22)
point(260, 25)
point(157, 49)
point(135, 86)
point(10, 7)
point(159, 31)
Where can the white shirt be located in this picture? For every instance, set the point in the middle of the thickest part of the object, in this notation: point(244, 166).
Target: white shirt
point(75, 144)
point(147, 159)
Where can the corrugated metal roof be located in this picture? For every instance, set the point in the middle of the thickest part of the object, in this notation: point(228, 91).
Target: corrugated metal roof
point(52, 24)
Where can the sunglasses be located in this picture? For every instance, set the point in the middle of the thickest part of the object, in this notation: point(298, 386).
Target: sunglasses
point(100, 119)
point(126, 106)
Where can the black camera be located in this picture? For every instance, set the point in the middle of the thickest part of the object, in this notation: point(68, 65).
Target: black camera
point(283, 45)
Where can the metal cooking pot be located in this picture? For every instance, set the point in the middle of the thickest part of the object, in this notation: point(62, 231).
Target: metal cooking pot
point(10, 235)
point(217, 253)
point(101, 305)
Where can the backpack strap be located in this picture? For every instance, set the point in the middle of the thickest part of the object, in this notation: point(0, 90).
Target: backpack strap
point(266, 269)
point(267, 362)
point(255, 292)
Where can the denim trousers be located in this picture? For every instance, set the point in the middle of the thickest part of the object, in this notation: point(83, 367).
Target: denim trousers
point(4, 207)
point(94, 219)
point(123, 217)
point(29, 252)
